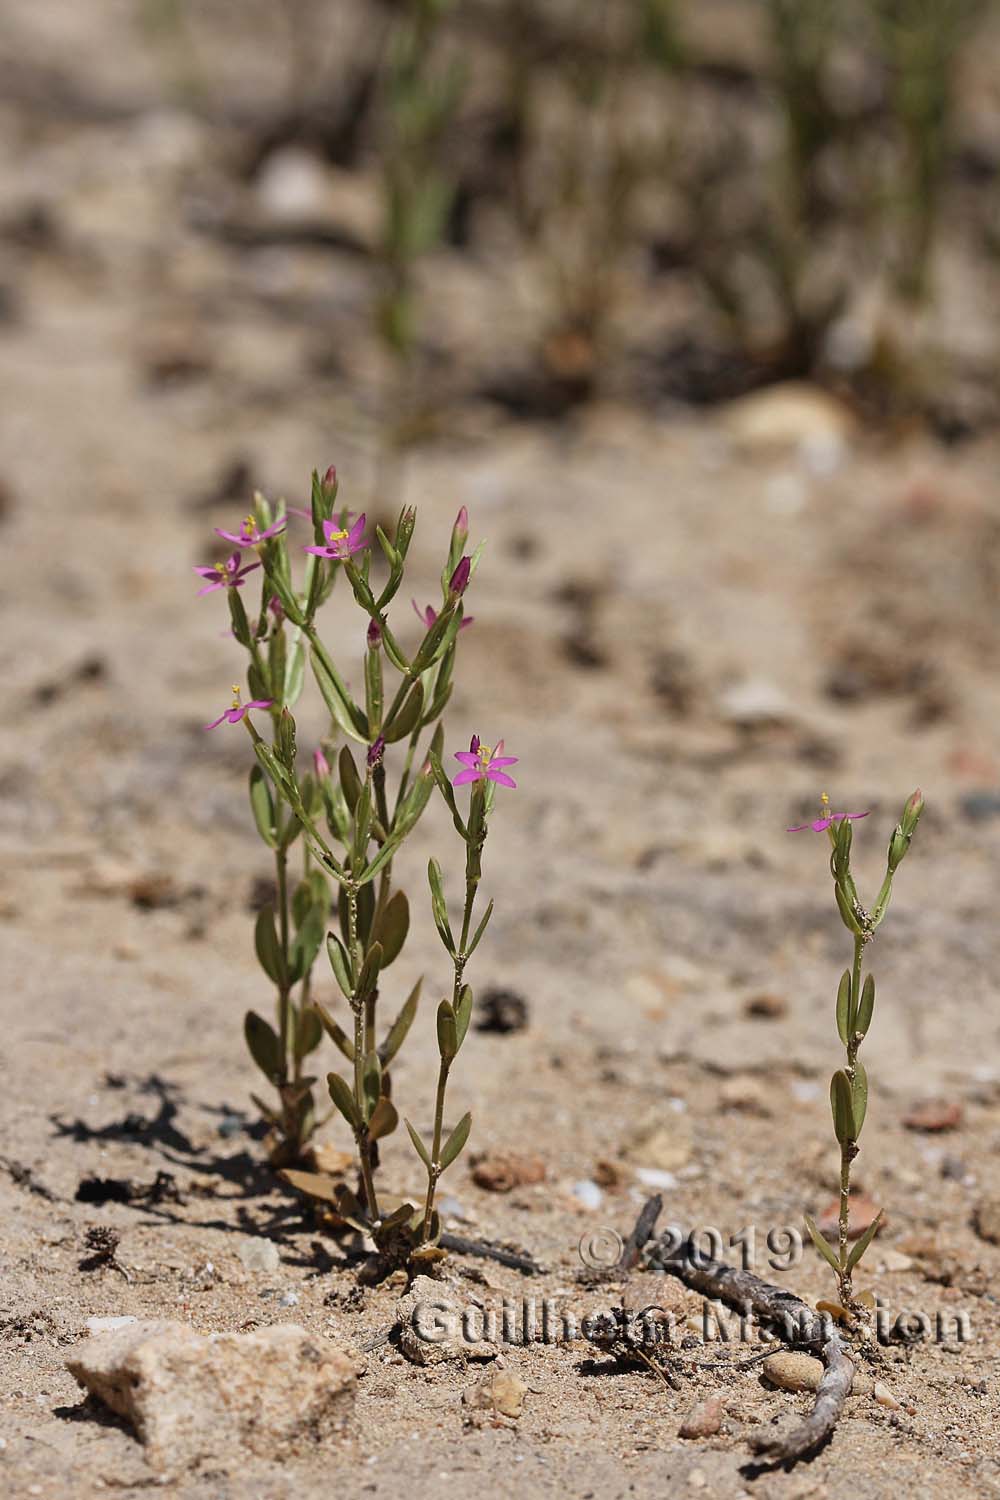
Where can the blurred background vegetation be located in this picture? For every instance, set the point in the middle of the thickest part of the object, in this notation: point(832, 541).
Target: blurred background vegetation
point(539, 202)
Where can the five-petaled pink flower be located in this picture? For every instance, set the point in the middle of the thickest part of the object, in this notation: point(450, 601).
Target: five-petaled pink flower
point(484, 764)
point(822, 823)
point(248, 534)
point(225, 575)
point(239, 710)
point(429, 615)
point(341, 544)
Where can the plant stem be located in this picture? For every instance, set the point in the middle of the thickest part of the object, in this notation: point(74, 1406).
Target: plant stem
point(281, 866)
point(849, 1149)
point(434, 1171)
point(358, 1008)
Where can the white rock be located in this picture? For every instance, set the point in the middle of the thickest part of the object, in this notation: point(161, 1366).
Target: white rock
point(755, 700)
point(655, 1177)
point(588, 1193)
point(259, 1254)
point(108, 1325)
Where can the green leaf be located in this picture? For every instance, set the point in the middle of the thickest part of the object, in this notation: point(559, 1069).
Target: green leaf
point(238, 615)
point(368, 978)
point(822, 1245)
point(439, 906)
point(844, 1007)
point(284, 739)
point(295, 671)
point(840, 1105)
point(343, 1098)
point(262, 803)
point(479, 931)
point(371, 1080)
point(308, 1032)
point(846, 911)
point(406, 717)
point(421, 1149)
point(264, 1044)
point(381, 859)
point(447, 1031)
point(362, 827)
point(365, 914)
point(859, 1097)
point(268, 949)
point(384, 1119)
point(392, 925)
point(463, 1013)
point(336, 1033)
point(350, 781)
point(307, 942)
point(373, 689)
point(340, 964)
point(456, 1141)
point(343, 709)
point(862, 1245)
point(400, 1026)
point(864, 1016)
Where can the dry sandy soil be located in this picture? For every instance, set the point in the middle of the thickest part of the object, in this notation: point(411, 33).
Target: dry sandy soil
point(685, 632)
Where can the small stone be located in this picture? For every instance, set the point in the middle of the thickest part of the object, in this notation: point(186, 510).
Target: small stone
point(666, 1145)
point(502, 1171)
point(697, 1479)
point(861, 1211)
point(791, 415)
point(895, 1260)
point(288, 1299)
point(430, 1324)
point(952, 1168)
point(501, 1393)
point(884, 1397)
point(654, 1177)
point(194, 1398)
point(934, 1115)
point(986, 1220)
point(766, 1007)
point(801, 1372)
point(745, 1094)
point(754, 700)
point(588, 1194)
point(501, 1011)
point(703, 1420)
point(259, 1254)
point(108, 1325)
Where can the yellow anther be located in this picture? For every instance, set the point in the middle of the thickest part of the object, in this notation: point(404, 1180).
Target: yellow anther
point(249, 524)
point(236, 695)
point(824, 799)
point(337, 536)
point(485, 754)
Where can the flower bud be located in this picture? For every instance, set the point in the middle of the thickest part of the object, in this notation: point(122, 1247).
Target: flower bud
point(459, 580)
point(374, 635)
point(904, 830)
point(375, 753)
point(460, 530)
point(321, 763)
point(911, 812)
point(329, 482)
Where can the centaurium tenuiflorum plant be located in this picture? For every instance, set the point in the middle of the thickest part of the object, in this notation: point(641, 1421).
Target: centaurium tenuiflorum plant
point(855, 1007)
point(350, 821)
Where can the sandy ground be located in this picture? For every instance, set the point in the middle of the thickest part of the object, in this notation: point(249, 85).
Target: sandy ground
point(685, 637)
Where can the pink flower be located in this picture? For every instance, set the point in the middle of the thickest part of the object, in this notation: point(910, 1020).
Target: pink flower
point(459, 580)
point(483, 764)
point(429, 615)
point(376, 750)
point(823, 822)
point(248, 535)
point(321, 763)
point(341, 544)
point(236, 713)
point(225, 575)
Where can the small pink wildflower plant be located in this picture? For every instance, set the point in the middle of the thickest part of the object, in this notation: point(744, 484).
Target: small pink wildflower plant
point(347, 812)
point(855, 1009)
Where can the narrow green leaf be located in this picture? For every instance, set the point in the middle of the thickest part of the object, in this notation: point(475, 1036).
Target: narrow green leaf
point(864, 1016)
point(456, 1141)
point(342, 708)
point(823, 1246)
point(371, 1078)
point(262, 803)
point(336, 1033)
point(847, 914)
point(840, 1105)
point(264, 1044)
point(463, 1013)
point(844, 1007)
point(368, 978)
point(447, 1031)
point(406, 717)
point(267, 946)
point(343, 1098)
point(308, 1032)
point(307, 942)
point(862, 1245)
point(859, 1097)
point(392, 925)
point(400, 1026)
point(439, 906)
point(381, 859)
point(421, 1149)
point(295, 671)
point(479, 931)
point(350, 781)
point(340, 964)
point(238, 615)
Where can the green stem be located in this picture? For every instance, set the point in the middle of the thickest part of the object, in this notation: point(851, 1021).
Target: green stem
point(434, 1170)
point(281, 864)
point(358, 1008)
point(849, 1149)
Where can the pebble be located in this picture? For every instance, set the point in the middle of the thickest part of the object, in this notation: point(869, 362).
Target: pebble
point(108, 1325)
point(934, 1115)
point(766, 1007)
point(654, 1177)
point(801, 1372)
point(986, 1220)
point(588, 1193)
point(754, 700)
point(895, 1260)
point(884, 1397)
point(500, 1392)
point(745, 1094)
point(862, 1211)
point(666, 1146)
point(502, 1171)
point(288, 1299)
point(703, 1420)
point(259, 1254)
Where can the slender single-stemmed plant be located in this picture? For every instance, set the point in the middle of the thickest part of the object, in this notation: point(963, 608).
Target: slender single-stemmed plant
point(855, 1007)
